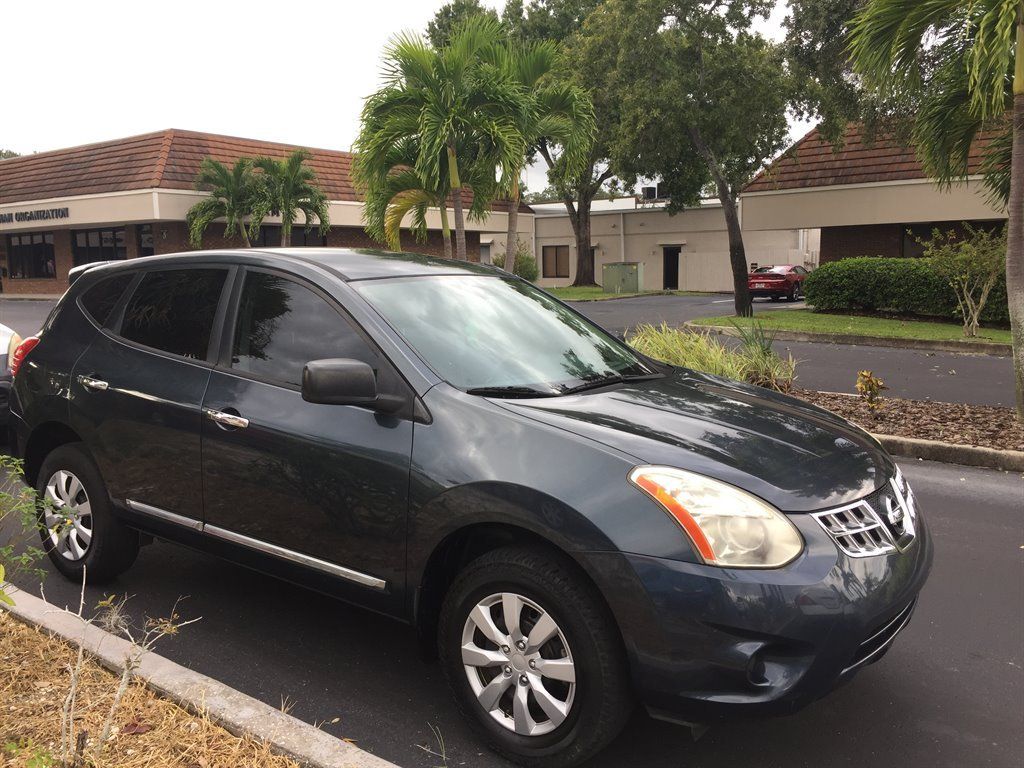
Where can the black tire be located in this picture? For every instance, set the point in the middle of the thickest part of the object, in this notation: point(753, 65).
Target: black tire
point(791, 296)
point(113, 546)
point(602, 701)
point(775, 297)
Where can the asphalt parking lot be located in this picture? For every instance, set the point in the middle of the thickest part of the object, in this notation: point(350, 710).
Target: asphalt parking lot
point(949, 693)
point(920, 375)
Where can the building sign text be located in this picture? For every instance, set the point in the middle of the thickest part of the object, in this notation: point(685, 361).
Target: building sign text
point(41, 214)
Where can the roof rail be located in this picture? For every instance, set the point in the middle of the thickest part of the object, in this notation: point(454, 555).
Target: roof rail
point(76, 272)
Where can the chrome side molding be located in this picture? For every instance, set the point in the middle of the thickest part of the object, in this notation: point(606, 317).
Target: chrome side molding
point(163, 514)
point(296, 557)
point(260, 546)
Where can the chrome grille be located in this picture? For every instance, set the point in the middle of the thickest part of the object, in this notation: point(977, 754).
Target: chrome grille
point(882, 523)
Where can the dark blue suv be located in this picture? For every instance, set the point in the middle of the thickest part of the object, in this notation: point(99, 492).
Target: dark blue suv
point(571, 526)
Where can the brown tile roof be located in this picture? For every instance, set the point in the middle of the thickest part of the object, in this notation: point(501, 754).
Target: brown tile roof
point(814, 162)
point(165, 159)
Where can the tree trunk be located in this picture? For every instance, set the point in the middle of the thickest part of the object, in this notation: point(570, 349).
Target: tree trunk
point(460, 218)
point(512, 235)
point(245, 235)
point(737, 252)
point(286, 233)
point(1015, 228)
point(446, 232)
point(584, 255)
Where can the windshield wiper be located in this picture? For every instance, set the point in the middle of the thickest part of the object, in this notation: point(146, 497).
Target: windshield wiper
point(606, 381)
point(510, 391)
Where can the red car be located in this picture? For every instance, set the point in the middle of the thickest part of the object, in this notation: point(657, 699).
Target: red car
point(775, 282)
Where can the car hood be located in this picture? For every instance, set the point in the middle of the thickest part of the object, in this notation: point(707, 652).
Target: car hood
point(795, 456)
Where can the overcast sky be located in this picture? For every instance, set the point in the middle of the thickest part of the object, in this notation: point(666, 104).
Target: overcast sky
point(82, 71)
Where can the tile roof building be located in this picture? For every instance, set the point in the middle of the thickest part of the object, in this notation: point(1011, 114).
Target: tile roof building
point(128, 197)
point(868, 197)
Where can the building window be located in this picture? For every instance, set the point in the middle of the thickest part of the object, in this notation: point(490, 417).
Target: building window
point(92, 245)
point(270, 237)
point(31, 256)
point(146, 240)
point(556, 260)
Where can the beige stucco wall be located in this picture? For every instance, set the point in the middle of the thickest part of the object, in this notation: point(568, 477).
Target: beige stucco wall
point(640, 235)
point(882, 203)
point(172, 205)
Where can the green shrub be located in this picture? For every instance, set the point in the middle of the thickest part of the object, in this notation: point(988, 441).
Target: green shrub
point(525, 266)
point(896, 286)
point(753, 361)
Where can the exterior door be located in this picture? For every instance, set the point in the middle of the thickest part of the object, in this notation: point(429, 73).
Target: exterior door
point(325, 486)
point(670, 256)
point(137, 391)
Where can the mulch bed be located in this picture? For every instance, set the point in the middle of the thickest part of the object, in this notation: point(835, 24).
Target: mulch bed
point(981, 425)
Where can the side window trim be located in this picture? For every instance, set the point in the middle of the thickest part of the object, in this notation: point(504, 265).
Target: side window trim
point(223, 361)
point(114, 325)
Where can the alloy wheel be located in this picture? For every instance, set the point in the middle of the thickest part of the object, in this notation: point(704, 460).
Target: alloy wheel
point(67, 515)
point(519, 664)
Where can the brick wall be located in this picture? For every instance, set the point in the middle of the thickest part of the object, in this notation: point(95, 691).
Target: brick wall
point(891, 240)
point(869, 240)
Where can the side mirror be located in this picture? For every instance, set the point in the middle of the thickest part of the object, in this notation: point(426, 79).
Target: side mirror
point(339, 381)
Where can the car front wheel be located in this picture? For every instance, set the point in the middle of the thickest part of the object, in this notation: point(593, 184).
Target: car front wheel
point(76, 523)
point(534, 658)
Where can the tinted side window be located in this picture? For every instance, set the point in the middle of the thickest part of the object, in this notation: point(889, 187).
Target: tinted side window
point(282, 325)
point(173, 310)
point(99, 300)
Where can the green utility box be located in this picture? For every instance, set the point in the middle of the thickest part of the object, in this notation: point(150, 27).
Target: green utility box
point(622, 277)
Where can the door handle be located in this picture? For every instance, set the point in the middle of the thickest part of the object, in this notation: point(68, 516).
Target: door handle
point(90, 383)
point(226, 419)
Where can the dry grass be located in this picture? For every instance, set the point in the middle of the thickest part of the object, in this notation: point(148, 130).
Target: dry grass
point(151, 732)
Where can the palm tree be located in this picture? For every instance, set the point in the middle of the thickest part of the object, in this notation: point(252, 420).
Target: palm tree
point(231, 198)
point(392, 189)
point(287, 187)
point(962, 62)
point(557, 112)
point(458, 107)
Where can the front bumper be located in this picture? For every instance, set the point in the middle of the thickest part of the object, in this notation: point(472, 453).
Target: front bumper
point(709, 643)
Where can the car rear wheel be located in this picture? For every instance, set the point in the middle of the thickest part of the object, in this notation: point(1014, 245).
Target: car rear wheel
point(533, 658)
point(794, 292)
point(76, 522)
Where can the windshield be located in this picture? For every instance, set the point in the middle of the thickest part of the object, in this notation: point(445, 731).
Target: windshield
point(775, 270)
point(480, 332)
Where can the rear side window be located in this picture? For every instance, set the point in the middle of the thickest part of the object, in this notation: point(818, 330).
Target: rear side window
point(173, 311)
point(282, 325)
point(99, 300)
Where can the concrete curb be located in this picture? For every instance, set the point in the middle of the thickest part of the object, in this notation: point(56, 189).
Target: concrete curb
point(958, 347)
point(235, 711)
point(950, 453)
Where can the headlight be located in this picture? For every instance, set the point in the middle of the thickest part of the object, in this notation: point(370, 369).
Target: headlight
point(728, 527)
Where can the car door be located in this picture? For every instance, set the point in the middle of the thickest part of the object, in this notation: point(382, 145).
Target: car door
point(321, 486)
point(136, 392)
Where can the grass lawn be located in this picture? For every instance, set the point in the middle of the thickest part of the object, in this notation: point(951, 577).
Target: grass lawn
point(596, 293)
point(820, 322)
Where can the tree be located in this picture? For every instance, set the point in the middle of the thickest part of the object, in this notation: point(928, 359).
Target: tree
point(971, 264)
point(962, 61)
point(8, 153)
point(230, 198)
point(557, 112)
point(451, 16)
point(560, 21)
point(393, 190)
point(689, 114)
point(459, 108)
point(287, 187)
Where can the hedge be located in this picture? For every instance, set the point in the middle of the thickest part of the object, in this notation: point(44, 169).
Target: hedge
point(896, 286)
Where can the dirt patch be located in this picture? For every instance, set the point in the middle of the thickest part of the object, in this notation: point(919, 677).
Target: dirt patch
point(982, 425)
point(150, 731)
